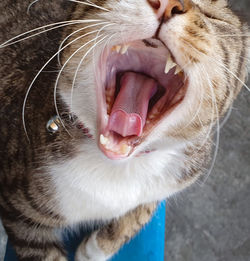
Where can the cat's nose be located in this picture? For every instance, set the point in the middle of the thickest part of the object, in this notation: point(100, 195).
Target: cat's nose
point(168, 8)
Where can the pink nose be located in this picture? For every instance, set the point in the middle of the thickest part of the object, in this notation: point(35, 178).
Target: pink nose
point(167, 8)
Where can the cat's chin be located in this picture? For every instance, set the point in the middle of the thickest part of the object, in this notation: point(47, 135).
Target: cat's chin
point(138, 85)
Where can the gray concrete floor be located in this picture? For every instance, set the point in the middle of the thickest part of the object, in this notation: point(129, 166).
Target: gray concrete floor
point(211, 222)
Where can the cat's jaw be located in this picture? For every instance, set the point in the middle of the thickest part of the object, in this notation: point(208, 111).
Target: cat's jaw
point(86, 194)
point(138, 85)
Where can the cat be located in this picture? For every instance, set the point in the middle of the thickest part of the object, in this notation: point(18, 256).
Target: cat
point(110, 115)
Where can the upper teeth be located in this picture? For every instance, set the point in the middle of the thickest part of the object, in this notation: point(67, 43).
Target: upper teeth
point(118, 48)
point(122, 49)
point(177, 69)
point(171, 64)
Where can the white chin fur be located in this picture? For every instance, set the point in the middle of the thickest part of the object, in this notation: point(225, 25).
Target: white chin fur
point(90, 187)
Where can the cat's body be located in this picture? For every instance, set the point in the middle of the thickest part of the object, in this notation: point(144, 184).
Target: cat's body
point(60, 179)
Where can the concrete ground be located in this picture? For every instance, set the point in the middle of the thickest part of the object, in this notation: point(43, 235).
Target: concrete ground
point(211, 222)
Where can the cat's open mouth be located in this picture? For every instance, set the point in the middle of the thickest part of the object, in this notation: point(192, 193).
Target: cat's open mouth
point(138, 85)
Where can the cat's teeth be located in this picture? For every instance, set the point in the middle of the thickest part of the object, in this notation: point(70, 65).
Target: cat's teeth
point(118, 48)
point(125, 149)
point(124, 48)
point(177, 69)
point(169, 64)
point(103, 140)
point(151, 116)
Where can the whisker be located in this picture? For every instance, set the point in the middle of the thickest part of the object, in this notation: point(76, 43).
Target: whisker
point(214, 106)
point(59, 74)
point(235, 76)
point(232, 35)
point(104, 46)
point(32, 3)
point(60, 24)
point(89, 4)
point(85, 55)
point(209, 131)
point(230, 108)
point(224, 121)
point(220, 64)
point(214, 109)
point(34, 79)
point(68, 36)
point(217, 141)
point(78, 67)
point(199, 108)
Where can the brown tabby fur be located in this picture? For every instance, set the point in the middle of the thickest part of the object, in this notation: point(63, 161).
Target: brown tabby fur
point(26, 194)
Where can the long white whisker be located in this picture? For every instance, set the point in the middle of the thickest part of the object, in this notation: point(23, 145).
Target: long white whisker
point(89, 50)
point(59, 74)
point(214, 109)
point(32, 3)
point(104, 46)
point(220, 64)
point(78, 67)
point(232, 35)
point(67, 37)
point(34, 79)
point(89, 4)
point(217, 141)
point(64, 23)
point(198, 110)
point(226, 117)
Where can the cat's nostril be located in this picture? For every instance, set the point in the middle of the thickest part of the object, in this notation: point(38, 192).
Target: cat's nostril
point(155, 4)
point(173, 7)
point(168, 8)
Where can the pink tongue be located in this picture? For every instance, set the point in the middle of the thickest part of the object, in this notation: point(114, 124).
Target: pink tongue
point(129, 112)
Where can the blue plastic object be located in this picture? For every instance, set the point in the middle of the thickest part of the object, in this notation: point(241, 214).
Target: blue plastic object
point(148, 245)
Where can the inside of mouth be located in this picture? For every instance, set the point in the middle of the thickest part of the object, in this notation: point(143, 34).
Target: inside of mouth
point(139, 93)
point(129, 110)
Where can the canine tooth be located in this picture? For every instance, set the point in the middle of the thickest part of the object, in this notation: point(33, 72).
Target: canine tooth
point(103, 140)
point(169, 64)
point(177, 69)
point(118, 48)
point(124, 48)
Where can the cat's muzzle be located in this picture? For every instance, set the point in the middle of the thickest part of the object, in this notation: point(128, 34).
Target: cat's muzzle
point(139, 84)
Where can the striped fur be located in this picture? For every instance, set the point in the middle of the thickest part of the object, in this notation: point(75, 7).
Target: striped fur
point(36, 192)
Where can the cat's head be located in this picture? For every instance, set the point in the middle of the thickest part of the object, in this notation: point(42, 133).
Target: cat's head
point(144, 74)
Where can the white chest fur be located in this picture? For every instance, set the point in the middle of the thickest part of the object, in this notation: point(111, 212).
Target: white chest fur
point(91, 187)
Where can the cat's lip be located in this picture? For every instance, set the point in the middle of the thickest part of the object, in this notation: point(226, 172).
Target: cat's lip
point(150, 58)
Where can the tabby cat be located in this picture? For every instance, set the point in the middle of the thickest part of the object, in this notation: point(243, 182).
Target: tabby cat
point(107, 111)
